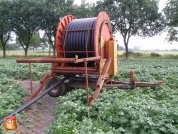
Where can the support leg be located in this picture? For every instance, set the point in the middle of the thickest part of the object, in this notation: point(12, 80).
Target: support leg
point(100, 81)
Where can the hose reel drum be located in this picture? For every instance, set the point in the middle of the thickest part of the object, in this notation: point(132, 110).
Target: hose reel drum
point(84, 37)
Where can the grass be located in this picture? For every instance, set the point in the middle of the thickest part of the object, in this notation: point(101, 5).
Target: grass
point(18, 53)
point(167, 52)
point(150, 54)
point(121, 54)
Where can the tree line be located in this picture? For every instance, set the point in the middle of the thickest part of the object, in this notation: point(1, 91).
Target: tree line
point(129, 17)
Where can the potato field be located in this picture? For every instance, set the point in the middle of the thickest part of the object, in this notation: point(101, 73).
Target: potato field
point(116, 111)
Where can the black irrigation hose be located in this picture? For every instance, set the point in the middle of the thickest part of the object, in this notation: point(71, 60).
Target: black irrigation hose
point(76, 40)
point(34, 100)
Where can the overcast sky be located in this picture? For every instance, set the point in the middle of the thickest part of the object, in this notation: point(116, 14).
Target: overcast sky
point(156, 42)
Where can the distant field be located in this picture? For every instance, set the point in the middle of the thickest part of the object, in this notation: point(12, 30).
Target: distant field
point(148, 52)
point(22, 53)
point(166, 52)
point(46, 53)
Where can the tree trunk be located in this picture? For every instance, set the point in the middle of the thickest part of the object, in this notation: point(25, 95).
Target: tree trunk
point(49, 49)
point(4, 50)
point(53, 46)
point(26, 50)
point(126, 38)
point(126, 50)
point(3, 42)
point(54, 50)
point(3, 45)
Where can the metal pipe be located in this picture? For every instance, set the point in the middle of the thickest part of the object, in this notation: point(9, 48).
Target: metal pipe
point(75, 68)
point(65, 44)
point(86, 78)
point(86, 45)
point(106, 86)
point(34, 100)
point(56, 60)
point(118, 85)
point(46, 60)
point(73, 71)
point(31, 87)
point(43, 81)
point(88, 59)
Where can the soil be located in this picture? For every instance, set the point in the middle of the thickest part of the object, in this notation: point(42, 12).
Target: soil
point(40, 115)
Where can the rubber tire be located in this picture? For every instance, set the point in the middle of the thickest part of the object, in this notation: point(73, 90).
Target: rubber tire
point(59, 91)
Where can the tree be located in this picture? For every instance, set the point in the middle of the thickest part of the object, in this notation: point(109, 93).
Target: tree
point(12, 46)
point(6, 26)
point(35, 40)
point(120, 47)
point(172, 34)
point(50, 19)
point(133, 17)
point(85, 10)
point(171, 13)
point(53, 11)
point(27, 20)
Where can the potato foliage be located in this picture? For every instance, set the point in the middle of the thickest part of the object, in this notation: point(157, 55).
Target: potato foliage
point(138, 111)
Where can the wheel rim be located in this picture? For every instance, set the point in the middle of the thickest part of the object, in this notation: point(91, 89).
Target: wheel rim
point(55, 90)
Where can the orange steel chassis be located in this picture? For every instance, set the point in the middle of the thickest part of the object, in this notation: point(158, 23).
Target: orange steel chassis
point(102, 33)
point(102, 75)
point(71, 70)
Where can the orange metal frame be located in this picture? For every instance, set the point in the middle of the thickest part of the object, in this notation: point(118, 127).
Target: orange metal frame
point(105, 59)
point(61, 26)
point(102, 33)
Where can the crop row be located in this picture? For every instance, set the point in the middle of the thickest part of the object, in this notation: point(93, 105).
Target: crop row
point(141, 111)
point(11, 92)
point(11, 95)
point(21, 70)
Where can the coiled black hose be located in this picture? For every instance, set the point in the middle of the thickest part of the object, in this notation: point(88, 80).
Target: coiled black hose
point(77, 34)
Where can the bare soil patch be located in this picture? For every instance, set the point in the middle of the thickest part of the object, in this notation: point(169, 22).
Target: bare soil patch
point(40, 115)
